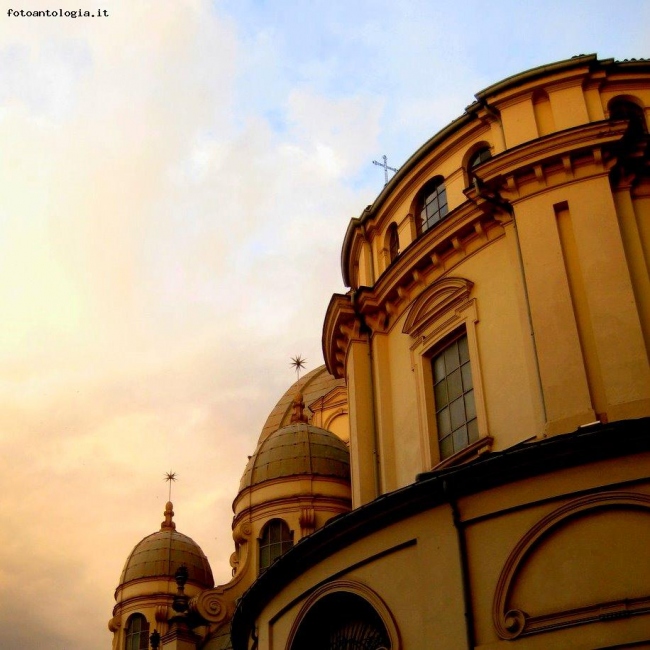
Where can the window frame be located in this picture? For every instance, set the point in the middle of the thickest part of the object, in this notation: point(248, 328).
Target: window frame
point(142, 634)
point(437, 186)
point(285, 544)
point(468, 158)
point(475, 161)
point(442, 357)
point(440, 315)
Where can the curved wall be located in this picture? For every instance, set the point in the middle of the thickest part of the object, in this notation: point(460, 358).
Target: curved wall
point(541, 262)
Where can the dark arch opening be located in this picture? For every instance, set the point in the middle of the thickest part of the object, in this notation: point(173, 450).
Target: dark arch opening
point(393, 242)
point(342, 621)
point(624, 109)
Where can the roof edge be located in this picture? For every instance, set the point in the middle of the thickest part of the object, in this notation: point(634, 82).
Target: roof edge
point(589, 60)
point(539, 71)
point(434, 488)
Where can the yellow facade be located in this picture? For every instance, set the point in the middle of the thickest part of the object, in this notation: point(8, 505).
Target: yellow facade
point(489, 373)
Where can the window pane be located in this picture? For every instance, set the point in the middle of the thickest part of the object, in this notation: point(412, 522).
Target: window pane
point(440, 393)
point(438, 368)
point(446, 447)
point(480, 157)
point(444, 424)
point(472, 430)
point(467, 377)
point(265, 557)
point(454, 385)
point(460, 438)
point(463, 349)
point(276, 531)
point(451, 358)
point(470, 407)
point(457, 409)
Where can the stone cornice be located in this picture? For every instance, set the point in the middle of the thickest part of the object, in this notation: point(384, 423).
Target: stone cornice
point(286, 502)
point(466, 230)
point(557, 152)
point(340, 325)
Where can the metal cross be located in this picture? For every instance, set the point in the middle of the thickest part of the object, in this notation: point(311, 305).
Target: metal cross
point(386, 168)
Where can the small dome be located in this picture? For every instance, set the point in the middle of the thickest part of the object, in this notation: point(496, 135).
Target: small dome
point(294, 450)
point(160, 554)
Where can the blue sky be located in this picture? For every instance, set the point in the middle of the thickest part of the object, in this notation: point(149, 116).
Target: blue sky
point(419, 59)
point(177, 180)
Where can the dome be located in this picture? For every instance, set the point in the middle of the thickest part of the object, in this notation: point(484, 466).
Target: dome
point(313, 385)
point(160, 554)
point(296, 449)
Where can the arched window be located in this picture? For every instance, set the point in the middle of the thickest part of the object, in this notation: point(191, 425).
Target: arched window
point(431, 204)
point(342, 621)
point(276, 540)
point(477, 158)
point(624, 109)
point(137, 633)
point(393, 242)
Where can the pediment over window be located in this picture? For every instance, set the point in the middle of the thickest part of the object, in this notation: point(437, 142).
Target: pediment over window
point(435, 303)
point(336, 397)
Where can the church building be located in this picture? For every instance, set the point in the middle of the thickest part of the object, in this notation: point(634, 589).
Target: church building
point(470, 469)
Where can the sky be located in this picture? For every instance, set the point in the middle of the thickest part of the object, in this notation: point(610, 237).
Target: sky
point(176, 179)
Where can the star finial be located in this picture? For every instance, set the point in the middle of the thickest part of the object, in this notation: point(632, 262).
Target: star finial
point(298, 363)
point(170, 477)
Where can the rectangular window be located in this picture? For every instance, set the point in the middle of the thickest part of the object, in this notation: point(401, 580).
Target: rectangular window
point(454, 398)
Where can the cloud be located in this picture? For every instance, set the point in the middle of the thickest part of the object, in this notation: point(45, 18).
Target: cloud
point(159, 255)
